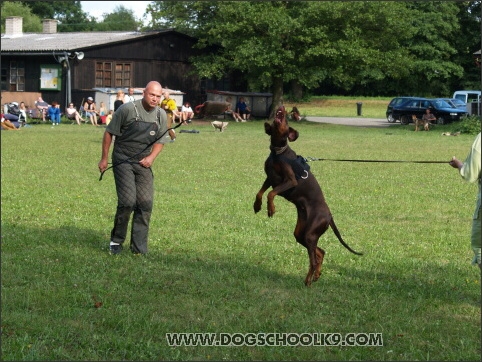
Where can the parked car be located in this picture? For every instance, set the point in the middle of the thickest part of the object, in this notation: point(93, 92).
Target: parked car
point(443, 111)
point(455, 102)
point(395, 102)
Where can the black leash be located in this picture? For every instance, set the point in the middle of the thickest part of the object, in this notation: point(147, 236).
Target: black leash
point(310, 159)
point(138, 153)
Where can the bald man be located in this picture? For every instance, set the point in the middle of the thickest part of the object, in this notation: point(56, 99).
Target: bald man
point(137, 127)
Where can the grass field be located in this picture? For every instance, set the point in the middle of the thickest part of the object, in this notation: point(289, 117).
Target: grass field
point(216, 267)
point(331, 106)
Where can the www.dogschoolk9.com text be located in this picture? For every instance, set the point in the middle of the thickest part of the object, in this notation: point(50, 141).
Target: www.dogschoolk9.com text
point(275, 339)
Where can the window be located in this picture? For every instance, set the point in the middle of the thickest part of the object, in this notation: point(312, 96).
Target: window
point(111, 74)
point(17, 76)
point(122, 75)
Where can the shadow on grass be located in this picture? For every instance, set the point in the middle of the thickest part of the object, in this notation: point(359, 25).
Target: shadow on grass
point(206, 273)
point(57, 277)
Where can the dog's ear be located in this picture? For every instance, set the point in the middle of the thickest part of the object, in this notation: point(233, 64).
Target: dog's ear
point(293, 135)
point(267, 128)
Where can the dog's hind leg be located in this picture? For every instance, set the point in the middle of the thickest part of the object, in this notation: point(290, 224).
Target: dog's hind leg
point(318, 227)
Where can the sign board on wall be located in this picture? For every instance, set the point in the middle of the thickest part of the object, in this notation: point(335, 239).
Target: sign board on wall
point(50, 77)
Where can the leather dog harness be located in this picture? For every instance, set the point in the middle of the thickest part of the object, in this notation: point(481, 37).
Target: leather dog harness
point(299, 165)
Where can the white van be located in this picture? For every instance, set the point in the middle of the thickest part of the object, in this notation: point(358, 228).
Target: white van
point(467, 96)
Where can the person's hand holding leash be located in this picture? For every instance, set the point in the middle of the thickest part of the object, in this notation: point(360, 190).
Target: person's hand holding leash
point(455, 163)
point(102, 165)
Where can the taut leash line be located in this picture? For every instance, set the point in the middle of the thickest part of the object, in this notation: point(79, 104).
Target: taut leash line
point(310, 159)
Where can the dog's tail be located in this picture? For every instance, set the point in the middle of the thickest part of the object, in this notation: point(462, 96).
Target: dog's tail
point(338, 235)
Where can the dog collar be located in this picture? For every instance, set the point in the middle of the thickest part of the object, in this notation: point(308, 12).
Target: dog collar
point(279, 150)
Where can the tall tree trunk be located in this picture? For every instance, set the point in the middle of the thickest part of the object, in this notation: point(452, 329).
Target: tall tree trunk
point(296, 90)
point(277, 90)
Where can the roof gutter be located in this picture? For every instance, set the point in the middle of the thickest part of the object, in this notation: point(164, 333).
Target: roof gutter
point(33, 53)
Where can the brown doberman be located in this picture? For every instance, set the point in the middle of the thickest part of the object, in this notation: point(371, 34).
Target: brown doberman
point(289, 176)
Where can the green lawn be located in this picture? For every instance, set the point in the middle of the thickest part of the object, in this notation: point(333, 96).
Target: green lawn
point(214, 266)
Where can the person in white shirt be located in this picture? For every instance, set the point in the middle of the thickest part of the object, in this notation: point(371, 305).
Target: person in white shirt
point(129, 96)
point(186, 113)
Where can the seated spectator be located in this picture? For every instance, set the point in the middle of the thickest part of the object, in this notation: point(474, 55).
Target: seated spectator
point(119, 99)
point(295, 114)
point(186, 113)
point(102, 112)
point(54, 113)
point(42, 107)
point(7, 125)
point(72, 114)
point(243, 109)
point(237, 117)
point(22, 118)
point(108, 118)
point(91, 111)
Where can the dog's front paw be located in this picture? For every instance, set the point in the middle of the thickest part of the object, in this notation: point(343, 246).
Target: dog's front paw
point(271, 210)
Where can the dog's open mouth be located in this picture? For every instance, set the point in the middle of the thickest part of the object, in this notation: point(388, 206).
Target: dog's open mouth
point(280, 115)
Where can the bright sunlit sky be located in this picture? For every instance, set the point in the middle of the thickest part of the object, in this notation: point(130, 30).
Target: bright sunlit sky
point(97, 8)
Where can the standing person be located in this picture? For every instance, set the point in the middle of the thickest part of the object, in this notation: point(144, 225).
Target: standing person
point(129, 97)
point(22, 118)
point(90, 110)
point(243, 109)
point(119, 99)
point(135, 126)
point(169, 105)
point(470, 171)
point(54, 113)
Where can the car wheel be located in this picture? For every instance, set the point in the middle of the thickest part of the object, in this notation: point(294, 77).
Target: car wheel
point(390, 119)
point(404, 120)
point(440, 120)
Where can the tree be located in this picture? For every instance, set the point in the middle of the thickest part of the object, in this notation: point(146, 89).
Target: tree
point(305, 43)
point(31, 22)
point(466, 41)
point(120, 19)
point(69, 14)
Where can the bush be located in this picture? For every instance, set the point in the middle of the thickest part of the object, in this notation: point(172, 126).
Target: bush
point(468, 125)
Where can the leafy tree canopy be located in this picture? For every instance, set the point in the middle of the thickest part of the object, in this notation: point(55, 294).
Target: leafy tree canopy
point(120, 19)
point(31, 22)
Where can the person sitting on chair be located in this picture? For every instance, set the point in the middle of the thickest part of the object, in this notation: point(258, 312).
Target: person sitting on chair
point(428, 117)
point(186, 113)
point(295, 114)
point(91, 111)
point(42, 107)
point(72, 114)
point(243, 109)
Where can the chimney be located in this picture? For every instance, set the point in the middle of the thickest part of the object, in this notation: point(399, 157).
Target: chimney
point(13, 26)
point(49, 26)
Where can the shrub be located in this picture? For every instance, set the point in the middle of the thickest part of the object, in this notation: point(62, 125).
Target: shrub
point(468, 125)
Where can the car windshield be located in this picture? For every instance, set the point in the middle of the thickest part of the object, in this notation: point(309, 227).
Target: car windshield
point(458, 102)
point(442, 104)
